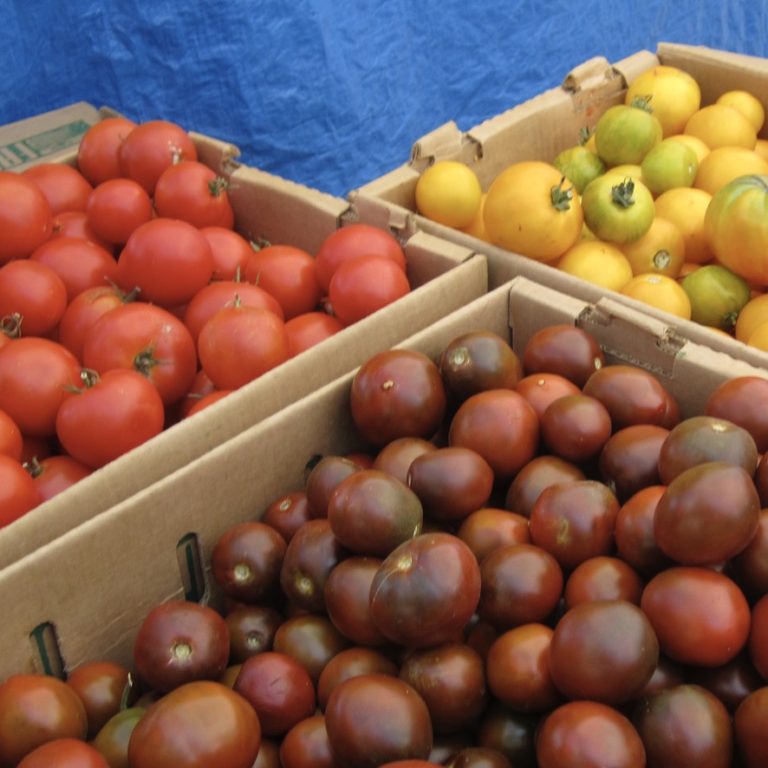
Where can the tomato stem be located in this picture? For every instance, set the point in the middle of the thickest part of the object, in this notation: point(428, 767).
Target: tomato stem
point(561, 198)
point(217, 186)
point(621, 194)
point(10, 325)
point(33, 467)
point(643, 102)
point(585, 134)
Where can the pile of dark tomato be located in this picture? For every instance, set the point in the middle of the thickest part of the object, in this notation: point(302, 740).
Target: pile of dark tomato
point(129, 301)
point(535, 561)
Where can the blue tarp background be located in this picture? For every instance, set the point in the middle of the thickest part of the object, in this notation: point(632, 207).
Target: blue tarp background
point(331, 94)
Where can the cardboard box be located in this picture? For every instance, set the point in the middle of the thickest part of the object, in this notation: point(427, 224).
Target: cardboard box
point(444, 276)
point(92, 586)
point(541, 128)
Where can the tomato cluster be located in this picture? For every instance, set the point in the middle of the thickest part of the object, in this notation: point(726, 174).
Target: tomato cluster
point(662, 200)
point(531, 560)
point(128, 301)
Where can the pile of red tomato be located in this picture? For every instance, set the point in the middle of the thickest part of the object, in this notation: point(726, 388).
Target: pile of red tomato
point(128, 301)
point(535, 561)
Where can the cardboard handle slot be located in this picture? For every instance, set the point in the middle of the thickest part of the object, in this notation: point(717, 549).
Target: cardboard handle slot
point(191, 568)
point(46, 650)
point(596, 68)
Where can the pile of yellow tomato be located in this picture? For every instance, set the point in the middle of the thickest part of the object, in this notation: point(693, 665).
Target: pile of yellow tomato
point(665, 201)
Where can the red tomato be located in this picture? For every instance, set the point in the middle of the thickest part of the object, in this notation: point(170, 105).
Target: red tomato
point(198, 725)
point(34, 291)
point(75, 224)
point(758, 637)
point(11, 440)
point(230, 252)
point(145, 338)
point(150, 148)
point(308, 329)
point(65, 188)
point(35, 709)
point(97, 155)
point(26, 220)
point(83, 311)
point(289, 274)
point(65, 753)
point(225, 293)
point(350, 242)
point(193, 192)
point(700, 616)
point(78, 262)
point(361, 286)
point(208, 399)
point(113, 414)
point(201, 386)
point(239, 344)
point(54, 474)
point(116, 208)
point(36, 377)
point(750, 722)
point(18, 492)
point(168, 260)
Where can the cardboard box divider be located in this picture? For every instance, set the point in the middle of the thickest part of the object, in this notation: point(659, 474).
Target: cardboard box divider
point(539, 129)
point(444, 276)
point(92, 586)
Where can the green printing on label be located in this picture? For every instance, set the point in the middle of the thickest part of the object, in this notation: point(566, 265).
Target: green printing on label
point(42, 144)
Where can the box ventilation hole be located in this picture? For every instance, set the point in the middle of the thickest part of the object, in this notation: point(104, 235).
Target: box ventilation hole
point(190, 560)
point(45, 647)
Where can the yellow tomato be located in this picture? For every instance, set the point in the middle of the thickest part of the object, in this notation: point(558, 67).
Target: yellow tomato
point(674, 95)
point(759, 337)
point(720, 126)
point(669, 164)
point(532, 209)
point(761, 147)
point(449, 192)
point(736, 225)
point(661, 249)
point(724, 164)
point(623, 134)
point(752, 314)
point(597, 262)
point(686, 207)
point(696, 144)
point(746, 103)
point(627, 170)
point(476, 227)
point(661, 292)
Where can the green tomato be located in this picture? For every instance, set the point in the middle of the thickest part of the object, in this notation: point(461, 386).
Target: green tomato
point(668, 165)
point(579, 165)
point(717, 295)
point(625, 134)
point(617, 210)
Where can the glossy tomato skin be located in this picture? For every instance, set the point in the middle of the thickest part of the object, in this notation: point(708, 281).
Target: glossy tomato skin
point(148, 339)
point(588, 734)
point(198, 725)
point(65, 188)
point(252, 630)
point(542, 389)
point(708, 514)
point(742, 400)
point(488, 528)
point(750, 566)
point(35, 709)
point(758, 637)
point(306, 745)
point(357, 660)
point(36, 378)
point(192, 192)
point(11, 440)
point(167, 259)
point(179, 642)
point(565, 350)
point(397, 393)
point(18, 492)
point(310, 328)
point(119, 412)
point(240, 343)
point(576, 427)
point(539, 473)
point(116, 208)
point(685, 723)
point(246, 561)
point(634, 531)
point(700, 616)
point(97, 153)
point(80, 263)
point(355, 711)
point(25, 216)
point(112, 739)
point(279, 689)
point(750, 721)
point(289, 274)
point(323, 479)
point(602, 578)
point(64, 753)
point(36, 292)
point(426, 590)
point(150, 148)
point(75, 224)
point(351, 241)
point(100, 685)
point(364, 285)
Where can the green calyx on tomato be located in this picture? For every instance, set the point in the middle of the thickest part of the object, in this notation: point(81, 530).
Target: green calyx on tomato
point(218, 186)
point(642, 102)
point(622, 193)
point(561, 198)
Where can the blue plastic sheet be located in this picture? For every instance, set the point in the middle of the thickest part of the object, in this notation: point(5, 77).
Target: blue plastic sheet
point(332, 94)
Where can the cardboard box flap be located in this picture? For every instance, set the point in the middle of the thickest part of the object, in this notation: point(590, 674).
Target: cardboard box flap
point(376, 211)
point(594, 70)
point(426, 261)
point(274, 204)
point(219, 155)
point(634, 65)
point(444, 140)
point(47, 137)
